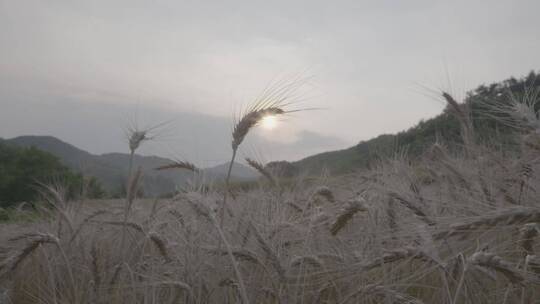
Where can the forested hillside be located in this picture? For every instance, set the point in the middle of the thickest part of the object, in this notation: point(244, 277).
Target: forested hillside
point(479, 104)
point(23, 170)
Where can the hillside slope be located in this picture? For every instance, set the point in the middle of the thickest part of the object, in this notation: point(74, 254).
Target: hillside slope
point(414, 141)
point(111, 169)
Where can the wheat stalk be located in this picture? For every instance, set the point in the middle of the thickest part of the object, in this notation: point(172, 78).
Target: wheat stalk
point(270, 254)
point(94, 266)
point(271, 103)
point(203, 210)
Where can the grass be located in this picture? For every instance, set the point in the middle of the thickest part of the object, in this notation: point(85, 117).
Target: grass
point(451, 227)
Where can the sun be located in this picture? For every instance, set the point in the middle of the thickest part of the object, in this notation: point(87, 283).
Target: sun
point(269, 122)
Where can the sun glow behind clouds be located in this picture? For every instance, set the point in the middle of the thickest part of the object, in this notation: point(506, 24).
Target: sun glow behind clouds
point(269, 122)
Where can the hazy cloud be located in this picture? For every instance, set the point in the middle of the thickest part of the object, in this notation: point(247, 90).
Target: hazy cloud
point(74, 68)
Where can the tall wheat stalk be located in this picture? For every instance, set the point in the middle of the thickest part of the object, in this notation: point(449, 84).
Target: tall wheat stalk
point(272, 102)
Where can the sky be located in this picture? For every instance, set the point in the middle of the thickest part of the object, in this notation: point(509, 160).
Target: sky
point(84, 70)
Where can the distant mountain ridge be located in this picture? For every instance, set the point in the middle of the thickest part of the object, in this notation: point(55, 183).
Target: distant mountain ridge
point(111, 169)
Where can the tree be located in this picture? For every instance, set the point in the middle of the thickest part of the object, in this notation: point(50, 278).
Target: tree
point(22, 169)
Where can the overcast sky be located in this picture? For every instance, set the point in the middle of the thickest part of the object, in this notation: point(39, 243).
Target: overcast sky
point(81, 70)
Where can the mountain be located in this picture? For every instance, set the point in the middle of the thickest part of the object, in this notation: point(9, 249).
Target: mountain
point(240, 172)
point(111, 169)
point(342, 161)
point(69, 154)
point(443, 127)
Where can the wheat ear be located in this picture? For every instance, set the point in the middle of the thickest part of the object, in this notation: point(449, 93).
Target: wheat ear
point(492, 261)
point(261, 169)
point(179, 165)
point(351, 208)
point(514, 216)
point(326, 193)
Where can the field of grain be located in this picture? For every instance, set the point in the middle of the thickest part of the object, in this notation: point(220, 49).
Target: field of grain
point(459, 225)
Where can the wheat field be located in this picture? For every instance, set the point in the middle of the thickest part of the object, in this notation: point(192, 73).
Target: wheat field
point(459, 225)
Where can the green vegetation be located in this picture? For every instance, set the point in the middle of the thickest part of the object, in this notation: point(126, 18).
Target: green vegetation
point(111, 169)
point(22, 169)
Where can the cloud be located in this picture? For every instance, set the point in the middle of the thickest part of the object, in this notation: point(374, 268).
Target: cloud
point(206, 58)
point(305, 144)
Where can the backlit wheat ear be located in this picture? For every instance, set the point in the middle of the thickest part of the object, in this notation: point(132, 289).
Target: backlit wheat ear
point(271, 103)
point(260, 168)
point(136, 138)
point(454, 105)
point(458, 109)
point(250, 120)
point(179, 165)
